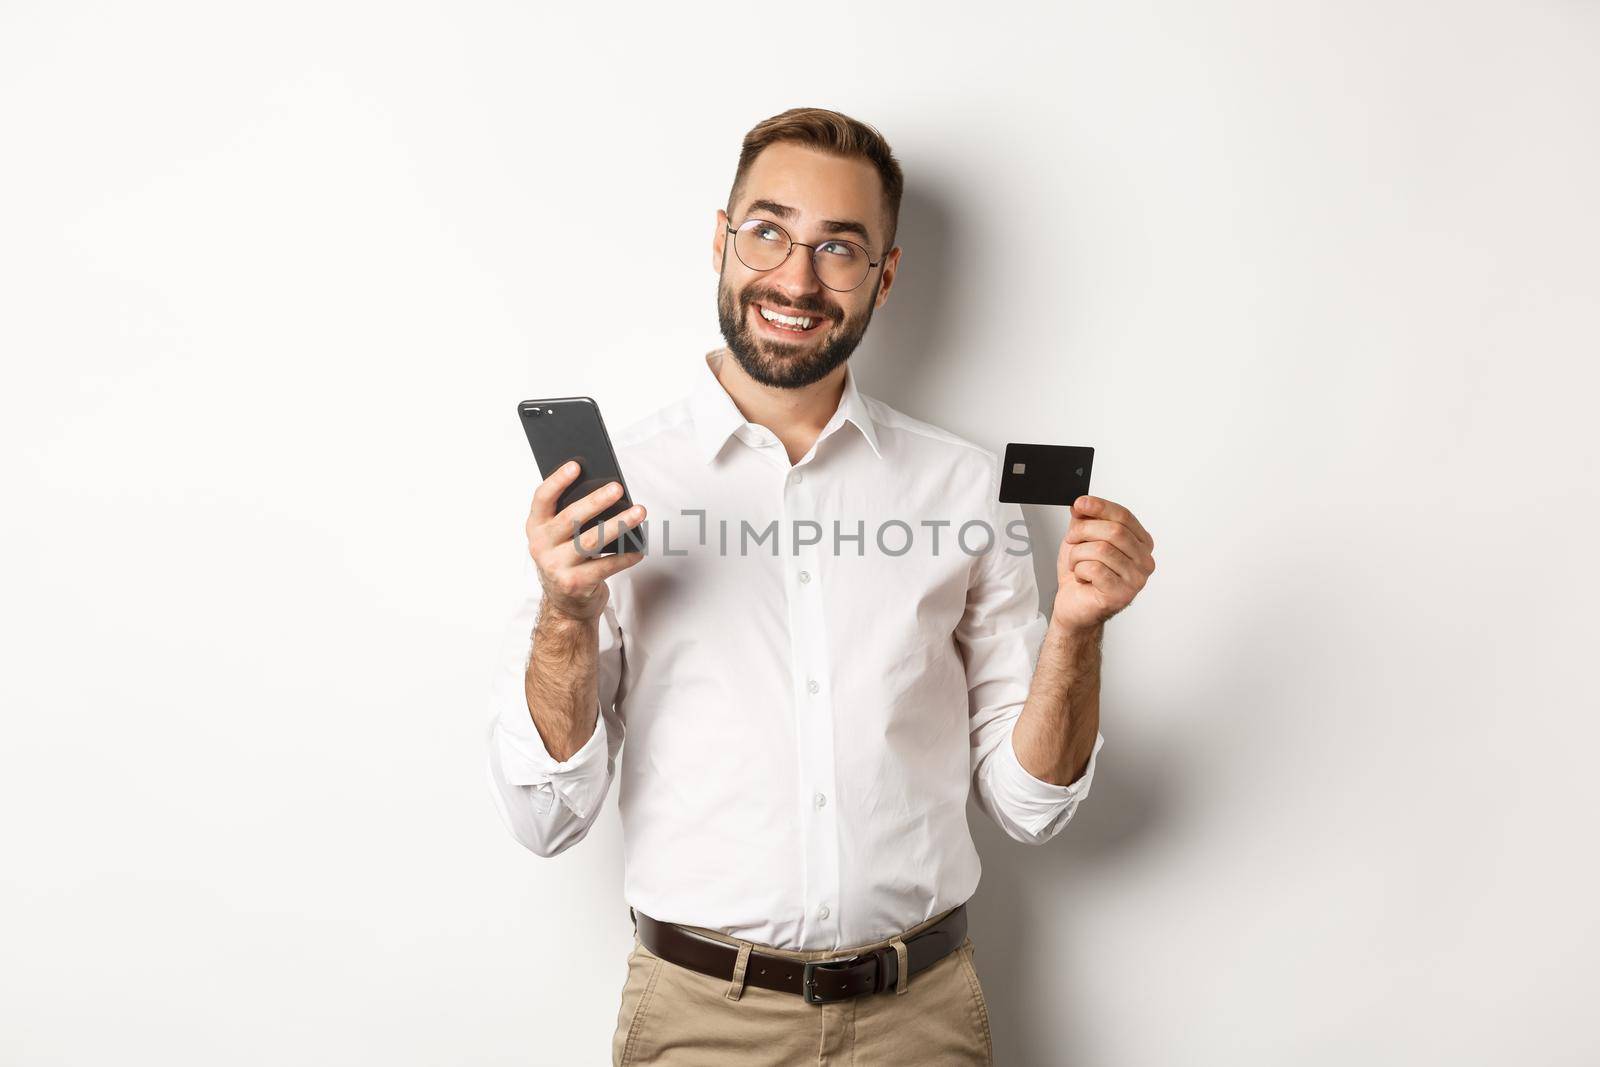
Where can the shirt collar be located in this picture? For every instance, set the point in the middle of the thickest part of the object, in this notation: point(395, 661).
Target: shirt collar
point(716, 417)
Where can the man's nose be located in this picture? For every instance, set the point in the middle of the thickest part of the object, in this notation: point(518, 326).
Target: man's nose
point(797, 274)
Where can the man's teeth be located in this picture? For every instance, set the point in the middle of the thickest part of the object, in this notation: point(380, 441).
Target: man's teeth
point(800, 321)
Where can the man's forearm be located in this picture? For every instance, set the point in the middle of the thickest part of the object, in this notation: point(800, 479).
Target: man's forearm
point(561, 684)
point(1054, 737)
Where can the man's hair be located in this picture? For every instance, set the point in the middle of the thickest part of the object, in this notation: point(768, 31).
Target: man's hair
point(836, 134)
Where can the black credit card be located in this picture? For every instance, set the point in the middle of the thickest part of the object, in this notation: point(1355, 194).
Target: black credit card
point(1045, 474)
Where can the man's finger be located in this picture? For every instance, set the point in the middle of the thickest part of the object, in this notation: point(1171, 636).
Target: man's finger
point(1098, 507)
point(601, 567)
point(550, 490)
point(1104, 552)
point(580, 511)
point(1105, 530)
point(588, 544)
point(593, 539)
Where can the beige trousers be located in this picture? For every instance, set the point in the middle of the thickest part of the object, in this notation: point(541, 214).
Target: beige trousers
point(671, 1015)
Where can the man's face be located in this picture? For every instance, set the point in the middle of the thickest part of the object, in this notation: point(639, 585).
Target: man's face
point(803, 191)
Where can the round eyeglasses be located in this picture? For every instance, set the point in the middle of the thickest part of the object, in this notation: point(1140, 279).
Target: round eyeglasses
point(762, 244)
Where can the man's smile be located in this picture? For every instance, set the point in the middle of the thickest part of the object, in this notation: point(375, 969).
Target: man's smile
point(786, 322)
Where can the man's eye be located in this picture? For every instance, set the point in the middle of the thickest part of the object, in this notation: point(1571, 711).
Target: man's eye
point(766, 233)
point(838, 249)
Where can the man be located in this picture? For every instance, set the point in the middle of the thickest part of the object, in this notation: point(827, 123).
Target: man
point(818, 658)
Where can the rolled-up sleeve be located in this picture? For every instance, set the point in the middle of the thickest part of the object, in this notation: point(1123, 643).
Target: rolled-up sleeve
point(1000, 634)
point(548, 804)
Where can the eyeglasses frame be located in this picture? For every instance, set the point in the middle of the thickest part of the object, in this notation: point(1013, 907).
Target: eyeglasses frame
point(803, 244)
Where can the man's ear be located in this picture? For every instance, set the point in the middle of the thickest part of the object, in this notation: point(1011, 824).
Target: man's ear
point(891, 264)
point(719, 240)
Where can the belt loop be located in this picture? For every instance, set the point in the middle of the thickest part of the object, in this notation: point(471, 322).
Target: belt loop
point(736, 984)
point(902, 977)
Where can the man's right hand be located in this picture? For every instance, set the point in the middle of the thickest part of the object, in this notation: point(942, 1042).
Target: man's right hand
point(574, 582)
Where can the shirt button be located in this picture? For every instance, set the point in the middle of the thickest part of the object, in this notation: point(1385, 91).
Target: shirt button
point(812, 686)
point(805, 576)
point(820, 799)
point(797, 477)
point(822, 912)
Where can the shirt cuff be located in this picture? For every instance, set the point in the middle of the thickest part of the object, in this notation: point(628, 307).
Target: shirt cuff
point(524, 760)
point(1034, 802)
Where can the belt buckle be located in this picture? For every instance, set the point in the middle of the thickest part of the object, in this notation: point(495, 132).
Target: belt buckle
point(808, 984)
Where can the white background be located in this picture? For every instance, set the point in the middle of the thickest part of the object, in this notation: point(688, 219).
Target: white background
point(1318, 281)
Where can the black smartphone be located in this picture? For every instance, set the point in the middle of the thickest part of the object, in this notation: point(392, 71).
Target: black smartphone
point(568, 428)
point(1045, 474)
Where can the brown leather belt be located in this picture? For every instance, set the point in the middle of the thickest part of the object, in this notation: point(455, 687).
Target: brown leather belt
point(817, 981)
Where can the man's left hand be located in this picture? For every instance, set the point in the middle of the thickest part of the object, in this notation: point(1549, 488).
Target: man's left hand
point(1105, 559)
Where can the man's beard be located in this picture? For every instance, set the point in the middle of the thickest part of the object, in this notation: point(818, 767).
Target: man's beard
point(785, 366)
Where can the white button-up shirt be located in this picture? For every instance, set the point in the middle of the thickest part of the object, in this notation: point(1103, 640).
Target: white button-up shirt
point(811, 666)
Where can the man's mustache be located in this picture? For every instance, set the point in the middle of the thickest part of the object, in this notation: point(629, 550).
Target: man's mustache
point(815, 309)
